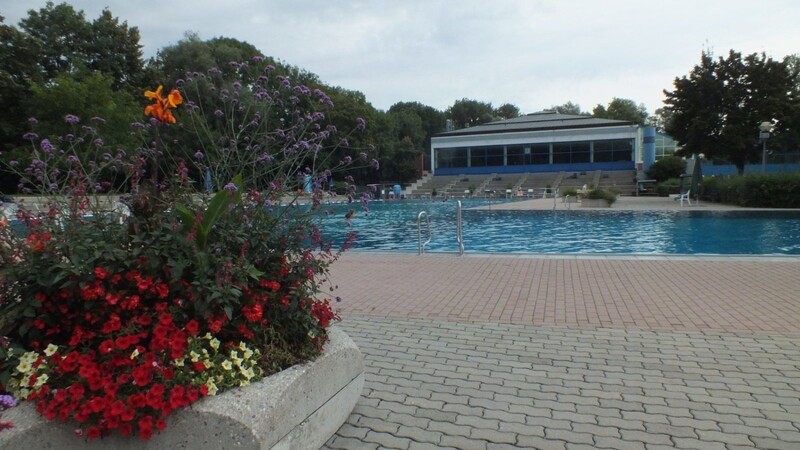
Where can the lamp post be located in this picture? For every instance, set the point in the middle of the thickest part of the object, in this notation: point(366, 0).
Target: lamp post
point(766, 128)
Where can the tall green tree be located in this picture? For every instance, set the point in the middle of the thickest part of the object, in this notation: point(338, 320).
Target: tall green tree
point(507, 111)
point(717, 108)
point(468, 113)
point(569, 108)
point(622, 109)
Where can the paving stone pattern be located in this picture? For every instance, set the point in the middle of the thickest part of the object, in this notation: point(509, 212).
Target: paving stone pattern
point(471, 385)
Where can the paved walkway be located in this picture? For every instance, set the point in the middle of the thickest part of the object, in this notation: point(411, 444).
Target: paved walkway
point(573, 352)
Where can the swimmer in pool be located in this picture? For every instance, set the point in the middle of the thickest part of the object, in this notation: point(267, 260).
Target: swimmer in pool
point(348, 217)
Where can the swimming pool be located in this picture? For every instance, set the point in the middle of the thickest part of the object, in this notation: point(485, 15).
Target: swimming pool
point(392, 225)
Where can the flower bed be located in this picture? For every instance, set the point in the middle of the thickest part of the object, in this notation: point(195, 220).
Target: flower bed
point(149, 278)
point(300, 407)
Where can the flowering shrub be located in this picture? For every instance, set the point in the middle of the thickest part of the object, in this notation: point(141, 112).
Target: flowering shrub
point(134, 290)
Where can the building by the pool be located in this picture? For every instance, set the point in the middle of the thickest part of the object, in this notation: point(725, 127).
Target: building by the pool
point(552, 142)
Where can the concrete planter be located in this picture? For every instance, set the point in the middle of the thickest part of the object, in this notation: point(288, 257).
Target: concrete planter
point(594, 203)
point(299, 408)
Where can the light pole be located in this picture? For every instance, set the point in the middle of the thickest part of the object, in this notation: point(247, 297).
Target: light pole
point(766, 128)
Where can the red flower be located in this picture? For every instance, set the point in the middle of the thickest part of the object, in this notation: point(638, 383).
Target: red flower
point(192, 327)
point(253, 312)
point(198, 366)
point(93, 432)
point(146, 427)
point(100, 273)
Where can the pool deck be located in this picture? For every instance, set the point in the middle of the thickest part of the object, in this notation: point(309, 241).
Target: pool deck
point(563, 351)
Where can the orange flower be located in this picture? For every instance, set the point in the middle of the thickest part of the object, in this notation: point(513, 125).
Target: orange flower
point(160, 109)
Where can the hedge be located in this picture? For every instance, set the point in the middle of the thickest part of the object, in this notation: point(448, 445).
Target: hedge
point(756, 190)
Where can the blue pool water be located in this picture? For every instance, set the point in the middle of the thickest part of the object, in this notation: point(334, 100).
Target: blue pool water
point(392, 225)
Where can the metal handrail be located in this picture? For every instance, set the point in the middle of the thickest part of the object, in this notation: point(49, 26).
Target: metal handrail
point(419, 230)
point(459, 235)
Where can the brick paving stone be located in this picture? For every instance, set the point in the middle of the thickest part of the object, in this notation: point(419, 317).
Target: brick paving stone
point(388, 440)
point(407, 419)
point(727, 438)
point(733, 386)
point(697, 444)
point(617, 444)
point(645, 437)
point(464, 443)
point(427, 446)
point(419, 434)
point(596, 430)
point(478, 422)
point(568, 436)
point(773, 444)
point(494, 436)
point(540, 443)
point(345, 443)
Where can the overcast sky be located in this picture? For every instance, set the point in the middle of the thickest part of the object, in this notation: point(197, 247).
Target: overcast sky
point(531, 53)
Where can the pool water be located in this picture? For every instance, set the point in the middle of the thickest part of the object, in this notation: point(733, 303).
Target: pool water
point(392, 225)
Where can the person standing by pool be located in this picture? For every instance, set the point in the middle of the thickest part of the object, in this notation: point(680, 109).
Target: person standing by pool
point(348, 217)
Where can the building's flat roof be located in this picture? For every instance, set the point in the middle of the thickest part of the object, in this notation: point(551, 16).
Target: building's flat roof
point(537, 122)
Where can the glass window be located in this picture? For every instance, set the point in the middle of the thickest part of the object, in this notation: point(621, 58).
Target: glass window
point(451, 157)
point(516, 155)
point(494, 156)
point(561, 153)
point(477, 157)
point(540, 154)
point(580, 152)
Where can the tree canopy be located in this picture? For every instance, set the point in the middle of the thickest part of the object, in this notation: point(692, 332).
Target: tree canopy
point(622, 109)
point(717, 108)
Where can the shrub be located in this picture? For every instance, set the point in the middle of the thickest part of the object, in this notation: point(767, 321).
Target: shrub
point(572, 192)
point(755, 190)
point(666, 168)
point(120, 309)
point(607, 195)
point(667, 187)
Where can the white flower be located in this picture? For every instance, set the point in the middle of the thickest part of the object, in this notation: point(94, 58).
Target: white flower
point(212, 388)
point(24, 366)
point(227, 365)
point(214, 343)
point(50, 350)
point(41, 380)
point(179, 362)
point(194, 356)
point(134, 353)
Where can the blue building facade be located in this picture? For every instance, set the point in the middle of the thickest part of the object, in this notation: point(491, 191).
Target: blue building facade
point(539, 142)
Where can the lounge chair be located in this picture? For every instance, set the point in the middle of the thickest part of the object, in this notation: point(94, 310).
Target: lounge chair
point(685, 196)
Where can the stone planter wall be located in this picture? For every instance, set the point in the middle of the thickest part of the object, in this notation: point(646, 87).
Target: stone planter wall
point(299, 408)
point(594, 203)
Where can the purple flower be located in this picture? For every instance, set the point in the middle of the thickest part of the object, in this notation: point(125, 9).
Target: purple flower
point(98, 120)
point(347, 160)
point(72, 119)
point(237, 85)
point(344, 143)
point(30, 136)
point(361, 124)
point(230, 187)
point(13, 163)
point(376, 164)
point(362, 156)
point(32, 120)
point(198, 154)
point(47, 147)
point(53, 186)
point(7, 401)
point(219, 113)
point(180, 82)
point(98, 142)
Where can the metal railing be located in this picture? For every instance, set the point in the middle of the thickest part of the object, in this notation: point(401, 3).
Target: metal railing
point(459, 235)
point(419, 230)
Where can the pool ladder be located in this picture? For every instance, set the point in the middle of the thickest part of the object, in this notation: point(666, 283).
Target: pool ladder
point(459, 235)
